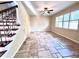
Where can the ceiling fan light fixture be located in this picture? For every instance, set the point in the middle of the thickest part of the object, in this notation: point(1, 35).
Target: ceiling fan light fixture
point(47, 11)
point(45, 8)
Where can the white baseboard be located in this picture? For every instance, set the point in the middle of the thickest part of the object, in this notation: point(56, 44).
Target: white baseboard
point(66, 37)
point(40, 31)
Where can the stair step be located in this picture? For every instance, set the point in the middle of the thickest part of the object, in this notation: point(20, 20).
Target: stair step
point(7, 21)
point(7, 35)
point(5, 43)
point(14, 29)
point(11, 25)
point(3, 52)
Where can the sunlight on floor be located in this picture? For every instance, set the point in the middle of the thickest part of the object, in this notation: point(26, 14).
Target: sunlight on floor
point(45, 45)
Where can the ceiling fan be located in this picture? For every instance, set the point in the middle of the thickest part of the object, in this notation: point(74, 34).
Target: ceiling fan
point(46, 11)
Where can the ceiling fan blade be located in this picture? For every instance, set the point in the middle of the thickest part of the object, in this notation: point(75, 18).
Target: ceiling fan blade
point(50, 10)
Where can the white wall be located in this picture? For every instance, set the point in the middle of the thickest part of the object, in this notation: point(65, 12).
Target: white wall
point(70, 34)
point(39, 23)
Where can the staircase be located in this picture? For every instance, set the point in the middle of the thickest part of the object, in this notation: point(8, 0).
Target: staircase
point(8, 26)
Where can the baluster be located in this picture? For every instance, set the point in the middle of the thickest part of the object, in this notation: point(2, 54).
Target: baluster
point(1, 41)
point(9, 24)
point(6, 28)
point(4, 35)
point(13, 16)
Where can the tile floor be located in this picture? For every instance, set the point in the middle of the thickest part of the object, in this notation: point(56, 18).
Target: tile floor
point(48, 45)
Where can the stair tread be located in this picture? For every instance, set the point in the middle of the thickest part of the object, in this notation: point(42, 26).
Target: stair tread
point(8, 35)
point(11, 25)
point(5, 43)
point(14, 29)
point(8, 21)
point(1, 53)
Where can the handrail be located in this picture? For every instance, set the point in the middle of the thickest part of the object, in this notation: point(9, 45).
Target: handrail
point(6, 2)
point(9, 8)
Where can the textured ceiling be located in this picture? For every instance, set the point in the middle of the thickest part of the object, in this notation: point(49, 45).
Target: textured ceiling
point(55, 5)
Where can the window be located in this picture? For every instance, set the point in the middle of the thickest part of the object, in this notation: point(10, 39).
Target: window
point(74, 15)
point(74, 20)
point(66, 17)
point(60, 24)
point(59, 21)
point(56, 18)
point(57, 24)
point(73, 25)
point(60, 18)
point(65, 24)
point(68, 21)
